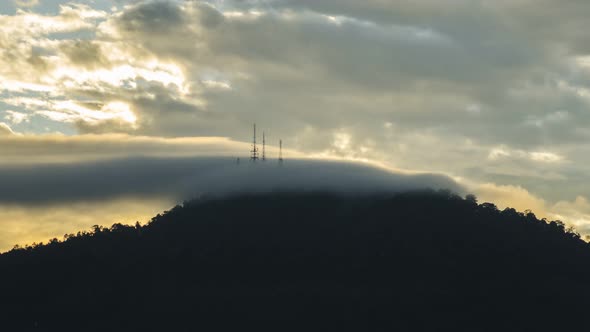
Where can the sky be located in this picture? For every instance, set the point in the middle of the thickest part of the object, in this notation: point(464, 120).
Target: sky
point(493, 95)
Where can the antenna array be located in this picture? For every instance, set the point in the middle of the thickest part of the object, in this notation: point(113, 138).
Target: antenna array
point(263, 147)
point(254, 151)
point(280, 152)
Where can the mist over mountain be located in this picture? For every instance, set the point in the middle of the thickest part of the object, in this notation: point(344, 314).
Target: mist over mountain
point(185, 178)
point(42, 199)
point(413, 261)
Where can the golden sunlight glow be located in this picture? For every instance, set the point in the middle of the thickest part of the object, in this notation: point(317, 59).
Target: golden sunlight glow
point(212, 84)
point(236, 14)
point(25, 225)
point(122, 75)
point(70, 111)
point(547, 157)
point(121, 111)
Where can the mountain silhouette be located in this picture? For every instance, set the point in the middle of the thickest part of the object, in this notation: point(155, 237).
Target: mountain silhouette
point(416, 261)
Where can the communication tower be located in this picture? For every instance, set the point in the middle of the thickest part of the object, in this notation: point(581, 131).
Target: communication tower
point(254, 152)
point(280, 152)
point(263, 147)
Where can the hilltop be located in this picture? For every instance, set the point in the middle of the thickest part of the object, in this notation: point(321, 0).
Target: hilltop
point(417, 261)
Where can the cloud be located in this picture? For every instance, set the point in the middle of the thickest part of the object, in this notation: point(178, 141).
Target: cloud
point(61, 149)
point(16, 117)
point(334, 62)
point(43, 201)
point(85, 53)
point(26, 3)
point(56, 184)
point(5, 129)
point(184, 178)
point(502, 152)
point(58, 168)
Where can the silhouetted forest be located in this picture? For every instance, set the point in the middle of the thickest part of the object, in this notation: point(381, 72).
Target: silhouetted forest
point(421, 261)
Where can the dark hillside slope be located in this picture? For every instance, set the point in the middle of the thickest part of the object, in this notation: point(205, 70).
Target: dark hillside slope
point(409, 262)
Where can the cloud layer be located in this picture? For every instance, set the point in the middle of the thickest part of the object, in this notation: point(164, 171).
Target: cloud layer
point(497, 92)
point(61, 184)
point(177, 179)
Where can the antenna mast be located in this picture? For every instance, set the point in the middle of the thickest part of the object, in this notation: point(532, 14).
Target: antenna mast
point(280, 152)
point(254, 152)
point(263, 147)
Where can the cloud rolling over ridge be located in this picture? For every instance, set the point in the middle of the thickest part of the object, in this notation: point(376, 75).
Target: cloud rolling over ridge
point(41, 200)
point(184, 178)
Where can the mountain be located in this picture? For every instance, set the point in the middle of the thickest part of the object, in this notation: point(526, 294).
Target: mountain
point(417, 261)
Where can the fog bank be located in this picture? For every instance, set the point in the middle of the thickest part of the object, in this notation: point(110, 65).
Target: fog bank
point(185, 178)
